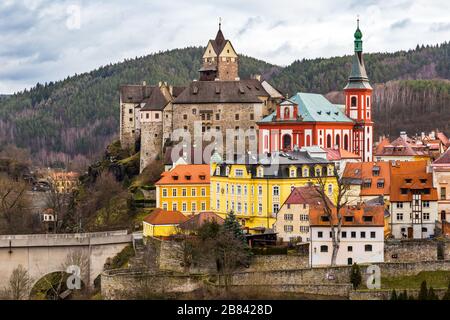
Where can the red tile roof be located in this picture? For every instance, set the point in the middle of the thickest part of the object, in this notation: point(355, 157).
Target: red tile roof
point(186, 174)
point(443, 159)
point(360, 216)
point(304, 195)
point(163, 217)
point(356, 173)
point(338, 154)
point(196, 221)
point(401, 147)
point(410, 176)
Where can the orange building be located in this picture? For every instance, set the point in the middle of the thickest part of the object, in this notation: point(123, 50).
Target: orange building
point(414, 200)
point(184, 188)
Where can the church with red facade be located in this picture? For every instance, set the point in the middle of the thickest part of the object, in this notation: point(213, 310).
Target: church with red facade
point(308, 119)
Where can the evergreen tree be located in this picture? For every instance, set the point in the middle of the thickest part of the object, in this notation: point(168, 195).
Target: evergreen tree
point(423, 294)
point(394, 295)
point(232, 225)
point(355, 276)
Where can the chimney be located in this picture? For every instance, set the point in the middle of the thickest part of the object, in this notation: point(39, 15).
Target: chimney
point(422, 135)
point(257, 77)
point(159, 84)
point(144, 83)
point(403, 135)
point(433, 135)
point(171, 90)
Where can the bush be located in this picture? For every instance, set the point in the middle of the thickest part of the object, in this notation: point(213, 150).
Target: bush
point(423, 294)
point(121, 258)
point(355, 276)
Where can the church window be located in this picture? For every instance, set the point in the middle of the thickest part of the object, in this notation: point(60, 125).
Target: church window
point(338, 140)
point(367, 102)
point(328, 141)
point(368, 145)
point(354, 102)
point(286, 113)
point(346, 142)
point(308, 140)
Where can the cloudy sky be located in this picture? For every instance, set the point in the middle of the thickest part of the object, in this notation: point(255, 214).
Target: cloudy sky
point(48, 40)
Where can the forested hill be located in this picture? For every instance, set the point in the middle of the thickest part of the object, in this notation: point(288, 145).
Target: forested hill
point(76, 118)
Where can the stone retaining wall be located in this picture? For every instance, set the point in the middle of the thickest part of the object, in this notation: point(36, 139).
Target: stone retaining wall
point(278, 262)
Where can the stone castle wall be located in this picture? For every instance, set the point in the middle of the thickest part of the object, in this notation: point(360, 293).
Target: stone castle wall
point(127, 126)
point(415, 250)
point(151, 143)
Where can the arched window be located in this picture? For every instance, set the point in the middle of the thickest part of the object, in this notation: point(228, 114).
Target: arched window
point(286, 113)
point(266, 142)
point(368, 145)
point(308, 140)
point(338, 140)
point(346, 142)
point(328, 140)
point(368, 247)
point(354, 102)
point(323, 248)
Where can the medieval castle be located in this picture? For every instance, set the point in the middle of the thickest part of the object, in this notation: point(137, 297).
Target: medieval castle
point(221, 101)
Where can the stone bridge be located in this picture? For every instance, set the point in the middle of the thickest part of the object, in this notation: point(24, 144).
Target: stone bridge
point(42, 254)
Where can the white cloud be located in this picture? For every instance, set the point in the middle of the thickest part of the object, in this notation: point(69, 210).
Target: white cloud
point(37, 46)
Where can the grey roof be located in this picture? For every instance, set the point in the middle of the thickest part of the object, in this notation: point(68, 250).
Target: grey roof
point(358, 76)
point(276, 165)
point(156, 101)
point(240, 91)
point(135, 93)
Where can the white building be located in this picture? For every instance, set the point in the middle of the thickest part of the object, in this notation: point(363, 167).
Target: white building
point(414, 205)
point(362, 236)
point(292, 222)
point(441, 181)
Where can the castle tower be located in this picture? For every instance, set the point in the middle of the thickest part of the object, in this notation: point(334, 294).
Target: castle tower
point(220, 61)
point(358, 102)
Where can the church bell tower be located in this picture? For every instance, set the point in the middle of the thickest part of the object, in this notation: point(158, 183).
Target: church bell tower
point(358, 102)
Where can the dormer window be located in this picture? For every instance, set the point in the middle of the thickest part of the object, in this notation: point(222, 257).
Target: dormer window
point(404, 191)
point(227, 171)
point(292, 173)
point(380, 183)
point(175, 177)
point(187, 177)
point(408, 180)
point(376, 171)
point(367, 218)
point(305, 172)
point(423, 181)
point(367, 183)
point(260, 173)
point(202, 177)
point(218, 171)
point(348, 219)
point(325, 218)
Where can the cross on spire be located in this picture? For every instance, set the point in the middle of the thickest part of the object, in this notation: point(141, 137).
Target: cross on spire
point(220, 22)
point(357, 21)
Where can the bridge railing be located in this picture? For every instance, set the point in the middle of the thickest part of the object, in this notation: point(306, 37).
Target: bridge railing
point(57, 236)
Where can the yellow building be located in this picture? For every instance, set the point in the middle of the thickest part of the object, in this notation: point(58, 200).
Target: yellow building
point(256, 191)
point(184, 188)
point(161, 223)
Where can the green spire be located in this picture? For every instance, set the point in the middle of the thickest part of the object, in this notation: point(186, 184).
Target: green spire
point(358, 37)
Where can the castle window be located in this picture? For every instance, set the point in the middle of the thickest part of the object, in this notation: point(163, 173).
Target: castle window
point(156, 115)
point(184, 116)
point(252, 116)
point(217, 116)
point(194, 111)
point(236, 116)
point(147, 115)
point(131, 119)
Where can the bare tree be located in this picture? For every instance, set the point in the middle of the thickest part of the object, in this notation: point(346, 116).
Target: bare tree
point(13, 203)
point(333, 208)
point(19, 284)
point(58, 202)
